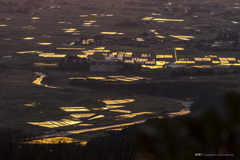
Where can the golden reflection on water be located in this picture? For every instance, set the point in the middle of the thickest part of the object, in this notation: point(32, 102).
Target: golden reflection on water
point(99, 116)
point(55, 124)
point(78, 78)
point(28, 38)
point(206, 59)
point(224, 62)
point(160, 36)
point(45, 64)
point(132, 115)
point(140, 39)
point(35, 18)
point(230, 64)
point(83, 15)
point(96, 78)
point(152, 66)
point(71, 30)
point(102, 48)
point(231, 59)
point(84, 124)
point(198, 59)
point(170, 20)
point(38, 81)
point(160, 63)
point(52, 55)
point(45, 44)
point(86, 115)
point(74, 109)
point(235, 22)
point(223, 59)
point(114, 106)
point(164, 56)
point(182, 112)
point(83, 143)
point(56, 140)
point(108, 33)
point(90, 21)
point(104, 127)
point(147, 18)
point(186, 38)
point(75, 34)
point(61, 48)
point(115, 129)
point(156, 14)
point(29, 27)
point(30, 104)
point(23, 52)
point(215, 62)
point(178, 48)
point(47, 86)
point(114, 78)
point(120, 110)
point(118, 101)
point(82, 56)
point(97, 109)
point(201, 66)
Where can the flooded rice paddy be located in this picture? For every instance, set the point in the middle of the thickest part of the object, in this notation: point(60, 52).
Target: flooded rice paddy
point(24, 52)
point(32, 104)
point(99, 116)
point(38, 64)
point(114, 106)
point(84, 115)
point(112, 78)
point(112, 33)
point(170, 20)
point(110, 104)
point(35, 18)
point(161, 61)
point(56, 140)
point(124, 116)
point(28, 38)
point(181, 37)
point(118, 101)
point(56, 124)
point(155, 61)
point(120, 110)
point(51, 55)
point(45, 44)
point(74, 109)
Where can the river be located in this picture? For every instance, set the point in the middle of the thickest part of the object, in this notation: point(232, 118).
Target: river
point(184, 111)
point(38, 81)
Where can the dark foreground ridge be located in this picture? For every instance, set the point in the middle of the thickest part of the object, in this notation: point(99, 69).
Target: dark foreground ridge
point(209, 134)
